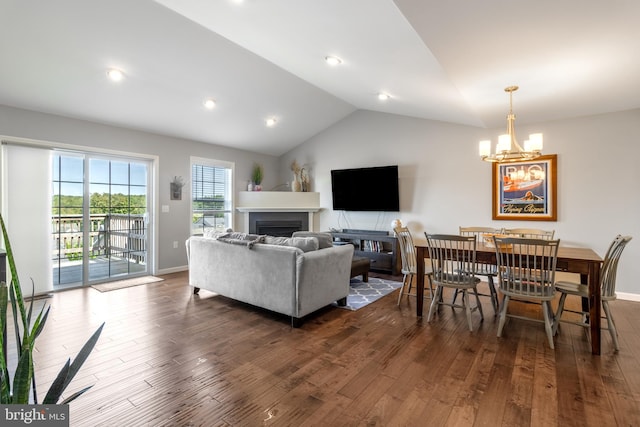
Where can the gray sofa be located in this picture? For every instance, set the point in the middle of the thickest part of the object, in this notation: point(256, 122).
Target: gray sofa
point(272, 273)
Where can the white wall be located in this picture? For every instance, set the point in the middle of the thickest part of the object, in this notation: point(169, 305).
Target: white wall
point(443, 183)
point(174, 159)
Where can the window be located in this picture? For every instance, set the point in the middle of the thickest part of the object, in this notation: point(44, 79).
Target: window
point(211, 195)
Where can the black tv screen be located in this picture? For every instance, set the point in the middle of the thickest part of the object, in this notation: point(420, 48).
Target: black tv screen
point(366, 189)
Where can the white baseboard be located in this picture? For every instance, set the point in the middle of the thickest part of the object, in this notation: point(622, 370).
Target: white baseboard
point(628, 297)
point(173, 270)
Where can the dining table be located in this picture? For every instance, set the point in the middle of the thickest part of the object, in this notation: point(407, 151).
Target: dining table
point(580, 260)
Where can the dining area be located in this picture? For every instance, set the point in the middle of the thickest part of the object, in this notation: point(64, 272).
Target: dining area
point(528, 265)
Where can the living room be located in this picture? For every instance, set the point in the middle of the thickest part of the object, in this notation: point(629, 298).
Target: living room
point(443, 183)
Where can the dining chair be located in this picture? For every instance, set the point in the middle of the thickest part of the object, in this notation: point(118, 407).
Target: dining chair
point(409, 268)
point(483, 269)
point(453, 265)
point(526, 272)
point(608, 290)
point(529, 233)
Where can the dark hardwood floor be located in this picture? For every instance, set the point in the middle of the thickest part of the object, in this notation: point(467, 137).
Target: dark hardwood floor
point(169, 358)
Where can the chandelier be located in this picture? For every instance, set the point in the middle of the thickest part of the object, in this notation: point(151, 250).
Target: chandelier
point(507, 148)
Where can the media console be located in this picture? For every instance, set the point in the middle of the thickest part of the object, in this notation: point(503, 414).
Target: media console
point(381, 248)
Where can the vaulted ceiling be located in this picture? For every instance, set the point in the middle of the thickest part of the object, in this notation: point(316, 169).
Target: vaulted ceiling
point(258, 59)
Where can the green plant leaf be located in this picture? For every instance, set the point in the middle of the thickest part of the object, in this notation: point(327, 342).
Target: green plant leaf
point(66, 374)
point(36, 329)
point(16, 325)
point(56, 388)
point(4, 298)
point(75, 395)
point(5, 389)
point(39, 323)
point(15, 280)
point(22, 378)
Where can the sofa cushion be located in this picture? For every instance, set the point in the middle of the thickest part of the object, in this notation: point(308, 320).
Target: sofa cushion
point(306, 244)
point(325, 240)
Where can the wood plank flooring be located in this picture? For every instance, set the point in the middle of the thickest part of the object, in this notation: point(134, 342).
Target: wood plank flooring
point(169, 358)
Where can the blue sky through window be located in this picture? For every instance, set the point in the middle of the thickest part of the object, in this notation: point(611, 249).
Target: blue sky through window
point(106, 176)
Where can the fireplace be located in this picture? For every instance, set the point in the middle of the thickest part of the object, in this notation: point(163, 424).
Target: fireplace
point(278, 213)
point(282, 224)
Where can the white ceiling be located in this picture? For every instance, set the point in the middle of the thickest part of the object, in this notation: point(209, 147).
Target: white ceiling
point(442, 60)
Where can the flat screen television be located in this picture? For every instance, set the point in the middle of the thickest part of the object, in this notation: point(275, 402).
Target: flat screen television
point(366, 189)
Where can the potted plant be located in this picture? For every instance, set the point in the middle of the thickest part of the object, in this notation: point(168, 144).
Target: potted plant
point(256, 176)
point(16, 390)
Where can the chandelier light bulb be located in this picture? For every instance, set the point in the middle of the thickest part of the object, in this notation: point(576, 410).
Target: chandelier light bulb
point(209, 103)
point(271, 122)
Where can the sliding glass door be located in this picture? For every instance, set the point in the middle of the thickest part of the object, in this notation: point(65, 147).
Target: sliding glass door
point(100, 218)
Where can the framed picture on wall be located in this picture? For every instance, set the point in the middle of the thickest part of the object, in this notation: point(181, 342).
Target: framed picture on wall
point(526, 190)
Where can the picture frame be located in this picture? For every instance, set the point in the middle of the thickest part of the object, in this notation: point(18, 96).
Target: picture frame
point(526, 190)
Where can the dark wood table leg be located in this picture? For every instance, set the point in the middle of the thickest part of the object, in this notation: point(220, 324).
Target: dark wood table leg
point(595, 302)
point(584, 279)
point(420, 257)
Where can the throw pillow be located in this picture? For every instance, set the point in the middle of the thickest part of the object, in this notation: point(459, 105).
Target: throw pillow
point(228, 234)
point(325, 240)
point(306, 244)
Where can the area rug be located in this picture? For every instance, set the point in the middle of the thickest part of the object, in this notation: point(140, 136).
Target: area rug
point(127, 283)
point(364, 293)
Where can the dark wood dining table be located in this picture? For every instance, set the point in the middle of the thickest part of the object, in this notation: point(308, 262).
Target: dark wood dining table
point(583, 261)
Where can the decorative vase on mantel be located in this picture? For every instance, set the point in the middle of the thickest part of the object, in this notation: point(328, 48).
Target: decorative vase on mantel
point(296, 185)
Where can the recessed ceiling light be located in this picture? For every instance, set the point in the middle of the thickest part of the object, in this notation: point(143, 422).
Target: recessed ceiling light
point(115, 74)
point(333, 60)
point(270, 122)
point(383, 96)
point(209, 103)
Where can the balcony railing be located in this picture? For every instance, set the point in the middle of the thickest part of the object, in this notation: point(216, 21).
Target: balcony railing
point(109, 235)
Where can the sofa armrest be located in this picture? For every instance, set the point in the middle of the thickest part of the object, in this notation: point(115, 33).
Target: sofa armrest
point(323, 277)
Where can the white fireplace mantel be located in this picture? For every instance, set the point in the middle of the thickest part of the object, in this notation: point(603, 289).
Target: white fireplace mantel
point(278, 201)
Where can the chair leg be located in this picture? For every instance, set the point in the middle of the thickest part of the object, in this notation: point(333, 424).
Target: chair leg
point(410, 282)
point(478, 304)
point(430, 285)
point(404, 283)
point(503, 314)
point(434, 303)
point(611, 325)
point(455, 297)
point(494, 295)
point(559, 311)
point(467, 307)
point(547, 313)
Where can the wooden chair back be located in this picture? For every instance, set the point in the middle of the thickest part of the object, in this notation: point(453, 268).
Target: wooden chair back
point(527, 267)
point(453, 259)
point(610, 266)
point(529, 233)
point(407, 250)
point(479, 233)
